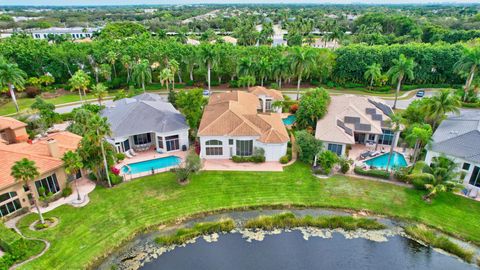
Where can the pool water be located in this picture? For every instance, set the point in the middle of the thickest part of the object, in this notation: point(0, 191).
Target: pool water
point(148, 165)
point(397, 161)
point(289, 120)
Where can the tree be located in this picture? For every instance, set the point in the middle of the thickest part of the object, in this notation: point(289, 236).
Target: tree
point(402, 69)
point(165, 77)
point(395, 126)
point(246, 81)
point(100, 92)
point(112, 59)
point(308, 146)
point(191, 103)
point(303, 61)
point(209, 59)
point(444, 171)
point(190, 59)
point(174, 68)
point(263, 69)
point(73, 164)
point(469, 63)
point(79, 81)
point(373, 72)
point(11, 76)
point(312, 106)
point(327, 159)
point(142, 73)
point(192, 164)
point(46, 111)
point(442, 103)
point(281, 70)
point(126, 61)
point(25, 171)
point(418, 136)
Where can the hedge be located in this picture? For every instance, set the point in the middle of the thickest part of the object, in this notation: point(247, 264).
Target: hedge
point(373, 173)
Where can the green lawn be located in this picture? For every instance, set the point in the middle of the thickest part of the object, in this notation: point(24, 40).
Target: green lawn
point(25, 103)
point(114, 215)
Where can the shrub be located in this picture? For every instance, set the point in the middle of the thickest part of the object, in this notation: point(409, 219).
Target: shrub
point(373, 173)
point(115, 179)
point(274, 86)
point(67, 191)
point(401, 174)
point(115, 170)
point(284, 159)
point(40, 226)
point(233, 84)
point(189, 83)
point(419, 180)
point(308, 146)
point(92, 176)
point(32, 91)
point(120, 156)
point(344, 167)
point(293, 108)
point(327, 160)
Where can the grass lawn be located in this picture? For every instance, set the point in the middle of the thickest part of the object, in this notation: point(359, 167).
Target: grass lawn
point(114, 215)
point(25, 103)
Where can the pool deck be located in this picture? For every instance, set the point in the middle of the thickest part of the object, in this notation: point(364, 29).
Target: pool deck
point(358, 149)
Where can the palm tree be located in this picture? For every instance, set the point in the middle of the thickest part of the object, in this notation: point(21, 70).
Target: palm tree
point(469, 63)
point(245, 66)
point(79, 81)
point(73, 164)
point(190, 59)
point(281, 70)
point(11, 76)
point(263, 69)
point(99, 129)
point(395, 126)
point(165, 77)
point(112, 59)
point(127, 64)
point(142, 73)
point(419, 135)
point(174, 68)
point(373, 72)
point(444, 172)
point(209, 59)
point(100, 92)
point(25, 171)
point(442, 103)
point(402, 69)
point(303, 61)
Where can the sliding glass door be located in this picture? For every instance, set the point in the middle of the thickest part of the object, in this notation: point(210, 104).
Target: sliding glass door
point(244, 148)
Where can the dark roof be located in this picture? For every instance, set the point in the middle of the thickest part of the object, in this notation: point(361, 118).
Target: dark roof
point(142, 114)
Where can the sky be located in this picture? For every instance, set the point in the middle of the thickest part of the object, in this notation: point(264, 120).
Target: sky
point(170, 2)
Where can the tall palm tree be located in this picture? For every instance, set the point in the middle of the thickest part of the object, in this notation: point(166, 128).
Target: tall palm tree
point(263, 69)
point(142, 73)
point(444, 172)
point(402, 69)
point(373, 72)
point(419, 135)
point(11, 76)
point(395, 126)
point(281, 70)
point(99, 128)
point(442, 103)
point(80, 81)
point(174, 68)
point(469, 63)
point(209, 59)
point(303, 61)
point(127, 64)
point(112, 59)
point(25, 171)
point(165, 77)
point(245, 66)
point(100, 92)
point(190, 59)
point(73, 164)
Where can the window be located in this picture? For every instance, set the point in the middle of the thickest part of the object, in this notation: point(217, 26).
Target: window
point(160, 142)
point(335, 148)
point(172, 142)
point(142, 139)
point(466, 166)
point(50, 184)
point(268, 105)
point(126, 145)
point(230, 141)
point(386, 138)
point(7, 196)
point(475, 178)
point(213, 148)
point(371, 137)
point(9, 203)
point(244, 148)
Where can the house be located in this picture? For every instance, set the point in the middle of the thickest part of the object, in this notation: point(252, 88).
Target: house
point(146, 121)
point(74, 32)
point(47, 154)
point(233, 124)
point(267, 97)
point(458, 138)
point(354, 120)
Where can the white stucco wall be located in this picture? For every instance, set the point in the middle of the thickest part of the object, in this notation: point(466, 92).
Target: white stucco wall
point(344, 146)
point(182, 136)
point(273, 152)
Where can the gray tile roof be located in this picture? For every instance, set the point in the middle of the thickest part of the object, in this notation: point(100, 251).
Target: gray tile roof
point(142, 114)
point(459, 136)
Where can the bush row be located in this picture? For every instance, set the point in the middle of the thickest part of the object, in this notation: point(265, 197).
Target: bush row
point(254, 159)
point(373, 173)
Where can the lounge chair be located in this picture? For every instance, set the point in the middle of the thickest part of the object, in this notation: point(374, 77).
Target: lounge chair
point(127, 154)
point(473, 193)
point(374, 154)
point(132, 152)
point(383, 150)
point(365, 154)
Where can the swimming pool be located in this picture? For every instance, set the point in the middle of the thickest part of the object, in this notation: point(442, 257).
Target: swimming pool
point(289, 120)
point(148, 165)
point(398, 161)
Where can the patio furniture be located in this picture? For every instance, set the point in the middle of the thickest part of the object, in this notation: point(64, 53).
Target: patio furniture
point(383, 150)
point(473, 193)
point(374, 154)
point(132, 152)
point(127, 154)
point(366, 154)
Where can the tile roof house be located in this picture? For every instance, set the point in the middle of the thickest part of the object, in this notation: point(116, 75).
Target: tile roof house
point(231, 125)
point(146, 121)
point(267, 97)
point(354, 120)
point(45, 152)
point(458, 137)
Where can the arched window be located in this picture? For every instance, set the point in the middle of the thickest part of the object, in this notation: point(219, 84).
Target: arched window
point(213, 148)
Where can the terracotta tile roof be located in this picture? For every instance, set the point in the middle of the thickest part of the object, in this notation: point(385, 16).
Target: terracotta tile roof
point(12, 123)
point(36, 151)
point(235, 114)
point(260, 90)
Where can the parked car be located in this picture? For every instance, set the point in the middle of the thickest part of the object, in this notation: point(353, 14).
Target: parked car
point(206, 92)
point(420, 93)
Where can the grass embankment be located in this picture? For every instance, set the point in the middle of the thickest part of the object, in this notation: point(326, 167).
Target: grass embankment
point(114, 215)
point(25, 103)
point(430, 238)
point(183, 235)
point(289, 220)
point(16, 247)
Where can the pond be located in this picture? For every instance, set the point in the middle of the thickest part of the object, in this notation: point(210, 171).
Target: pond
point(302, 248)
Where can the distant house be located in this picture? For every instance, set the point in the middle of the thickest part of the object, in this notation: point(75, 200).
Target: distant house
point(233, 124)
point(74, 32)
point(354, 120)
point(47, 154)
point(146, 121)
point(458, 137)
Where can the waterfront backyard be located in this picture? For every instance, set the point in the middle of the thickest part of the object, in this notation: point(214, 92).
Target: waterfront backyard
point(85, 235)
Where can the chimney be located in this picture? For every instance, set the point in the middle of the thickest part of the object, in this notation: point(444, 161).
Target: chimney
point(53, 148)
